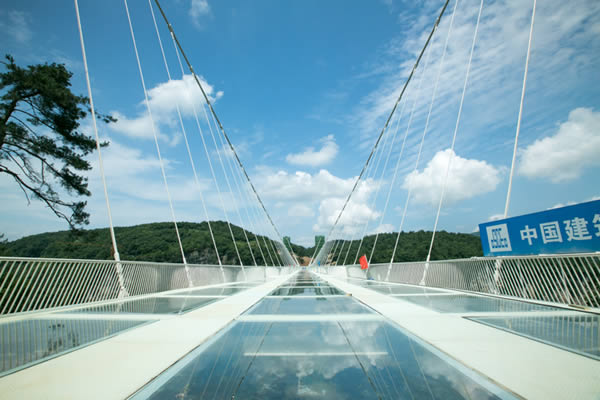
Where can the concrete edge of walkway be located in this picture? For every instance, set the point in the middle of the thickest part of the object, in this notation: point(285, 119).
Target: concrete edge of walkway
point(528, 368)
point(115, 368)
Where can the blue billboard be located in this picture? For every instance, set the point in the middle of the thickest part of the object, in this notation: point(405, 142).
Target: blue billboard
point(570, 229)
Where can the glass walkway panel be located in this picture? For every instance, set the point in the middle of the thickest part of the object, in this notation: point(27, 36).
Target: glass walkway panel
point(27, 341)
point(304, 358)
point(303, 335)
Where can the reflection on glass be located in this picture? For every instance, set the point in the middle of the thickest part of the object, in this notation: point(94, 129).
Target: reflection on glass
point(398, 289)
point(214, 372)
point(215, 291)
point(577, 332)
point(150, 305)
point(313, 305)
point(329, 377)
point(304, 291)
point(306, 284)
point(311, 359)
point(302, 337)
point(25, 342)
point(330, 360)
point(401, 367)
point(248, 283)
point(462, 303)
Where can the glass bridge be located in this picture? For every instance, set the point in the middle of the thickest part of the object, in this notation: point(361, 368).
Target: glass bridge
point(302, 335)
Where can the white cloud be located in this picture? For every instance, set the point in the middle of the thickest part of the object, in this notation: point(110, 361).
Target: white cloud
point(562, 157)
point(164, 99)
point(571, 202)
point(198, 10)
point(139, 128)
point(302, 186)
point(384, 228)
point(564, 45)
point(560, 205)
point(17, 26)
point(496, 217)
point(301, 210)
point(467, 178)
point(122, 161)
point(317, 158)
point(132, 173)
point(357, 213)
point(301, 192)
point(135, 187)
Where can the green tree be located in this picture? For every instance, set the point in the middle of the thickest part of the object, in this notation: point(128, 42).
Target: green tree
point(3, 245)
point(41, 145)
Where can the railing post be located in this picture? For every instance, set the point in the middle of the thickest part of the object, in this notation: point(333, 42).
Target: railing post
point(187, 272)
point(387, 276)
point(422, 283)
point(497, 267)
point(243, 272)
point(122, 290)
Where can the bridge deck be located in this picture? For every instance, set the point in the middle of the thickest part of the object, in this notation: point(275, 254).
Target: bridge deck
point(300, 336)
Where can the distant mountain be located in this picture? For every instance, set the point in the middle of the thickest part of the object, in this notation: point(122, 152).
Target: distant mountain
point(158, 242)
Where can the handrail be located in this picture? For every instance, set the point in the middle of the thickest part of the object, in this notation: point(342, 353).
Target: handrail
point(31, 284)
point(567, 279)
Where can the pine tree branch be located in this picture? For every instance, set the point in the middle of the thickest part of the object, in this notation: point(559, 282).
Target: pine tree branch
point(50, 203)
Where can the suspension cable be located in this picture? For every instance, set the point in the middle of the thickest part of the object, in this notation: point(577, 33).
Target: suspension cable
point(100, 163)
point(435, 26)
point(235, 182)
point(514, 157)
point(425, 130)
point(393, 179)
point(370, 173)
point(119, 269)
point(162, 167)
point(224, 174)
point(246, 196)
point(220, 125)
point(206, 152)
point(341, 241)
point(374, 201)
point(185, 138)
point(462, 100)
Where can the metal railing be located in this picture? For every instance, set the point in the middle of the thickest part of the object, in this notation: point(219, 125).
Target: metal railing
point(573, 331)
point(571, 279)
point(29, 284)
point(25, 342)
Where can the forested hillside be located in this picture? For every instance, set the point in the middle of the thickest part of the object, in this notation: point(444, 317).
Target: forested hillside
point(147, 242)
point(412, 246)
point(158, 242)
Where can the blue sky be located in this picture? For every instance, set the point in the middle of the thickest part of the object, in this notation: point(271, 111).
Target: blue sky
point(304, 88)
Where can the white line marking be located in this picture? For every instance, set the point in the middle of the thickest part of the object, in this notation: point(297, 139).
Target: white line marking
point(319, 354)
point(310, 318)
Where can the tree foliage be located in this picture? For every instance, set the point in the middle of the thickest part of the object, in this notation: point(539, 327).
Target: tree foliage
point(150, 242)
point(41, 145)
point(412, 246)
point(158, 242)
